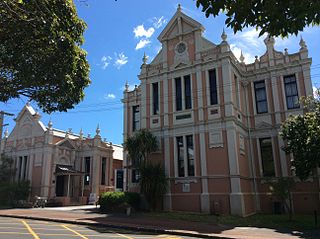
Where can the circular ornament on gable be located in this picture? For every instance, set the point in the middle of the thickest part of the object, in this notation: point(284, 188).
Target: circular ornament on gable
point(181, 47)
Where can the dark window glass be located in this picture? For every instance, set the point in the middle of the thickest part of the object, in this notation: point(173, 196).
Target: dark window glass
point(267, 157)
point(135, 175)
point(20, 168)
point(178, 94)
point(135, 118)
point(25, 167)
point(292, 97)
point(213, 87)
point(180, 150)
point(187, 92)
point(190, 155)
point(155, 98)
point(86, 170)
point(261, 97)
point(103, 171)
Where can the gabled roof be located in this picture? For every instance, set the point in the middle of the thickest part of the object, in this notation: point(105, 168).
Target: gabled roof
point(29, 110)
point(174, 20)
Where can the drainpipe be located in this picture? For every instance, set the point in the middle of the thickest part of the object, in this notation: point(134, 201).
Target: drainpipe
point(253, 169)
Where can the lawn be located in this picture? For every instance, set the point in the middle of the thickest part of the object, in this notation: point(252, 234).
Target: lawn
point(298, 222)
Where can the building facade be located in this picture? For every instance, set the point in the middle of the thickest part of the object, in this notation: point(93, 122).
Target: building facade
point(61, 166)
point(218, 120)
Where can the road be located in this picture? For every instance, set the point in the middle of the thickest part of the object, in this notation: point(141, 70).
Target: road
point(12, 228)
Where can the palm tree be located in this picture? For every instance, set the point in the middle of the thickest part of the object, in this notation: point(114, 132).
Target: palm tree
point(153, 181)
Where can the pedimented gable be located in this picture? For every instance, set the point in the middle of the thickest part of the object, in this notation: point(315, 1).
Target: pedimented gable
point(178, 25)
point(27, 124)
point(66, 143)
point(263, 125)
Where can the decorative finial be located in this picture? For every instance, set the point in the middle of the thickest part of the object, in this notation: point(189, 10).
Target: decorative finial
point(6, 133)
point(286, 51)
point(144, 59)
point(257, 59)
point(224, 36)
point(179, 7)
point(105, 140)
point(81, 134)
point(28, 103)
point(269, 41)
point(126, 87)
point(98, 130)
point(302, 43)
point(50, 124)
point(241, 57)
point(89, 135)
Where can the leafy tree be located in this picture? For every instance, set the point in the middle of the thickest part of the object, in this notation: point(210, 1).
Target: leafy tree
point(40, 53)
point(153, 181)
point(302, 136)
point(141, 145)
point(281, 188)
point(10, 191)
point(276, 17)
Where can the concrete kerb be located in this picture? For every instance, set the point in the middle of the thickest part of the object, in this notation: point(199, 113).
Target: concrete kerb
point(132, 228)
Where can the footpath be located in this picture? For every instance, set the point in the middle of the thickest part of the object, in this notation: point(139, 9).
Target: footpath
point(89, 216)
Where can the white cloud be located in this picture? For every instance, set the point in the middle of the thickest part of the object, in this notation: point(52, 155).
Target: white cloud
point(158, 22)
point(120, 60)
point(248, 58)
point(109, 96)
point(142, 43)
point(249, 42)
point(105, 60)
point(139, 31)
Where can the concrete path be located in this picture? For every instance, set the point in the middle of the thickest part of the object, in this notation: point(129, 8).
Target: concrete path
point(89, 215)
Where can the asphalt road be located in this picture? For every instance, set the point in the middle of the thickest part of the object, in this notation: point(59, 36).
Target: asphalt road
point(12, 228)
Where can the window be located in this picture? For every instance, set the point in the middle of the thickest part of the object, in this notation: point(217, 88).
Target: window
point(267, 157)
point(135, 118)
point(86, 170)
point(22, 168)
point(187, 92)
point(178, 94)
point(155, 98)
point(213, 87)
point(103, 171)
point(290, 86)
point(180, 150)
point(135, 175)
point(190, 155)
point(261, 97)
point(185, 156)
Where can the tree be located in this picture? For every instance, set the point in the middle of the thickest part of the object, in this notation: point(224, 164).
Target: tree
point(153, 181)
point(281, 188)
point(11, 192)
point(40, 53)
point(302, 136)
point(275, 17)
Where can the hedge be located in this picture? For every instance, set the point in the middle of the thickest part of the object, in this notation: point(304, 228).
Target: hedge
point(118, 201)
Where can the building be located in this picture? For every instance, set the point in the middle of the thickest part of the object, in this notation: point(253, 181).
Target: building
point(61, 166)
point(218, 120)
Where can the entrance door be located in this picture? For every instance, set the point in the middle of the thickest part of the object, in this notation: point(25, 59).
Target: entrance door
point(60, 186)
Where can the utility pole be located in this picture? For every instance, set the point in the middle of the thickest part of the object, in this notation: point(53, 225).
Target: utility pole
point(2, 114)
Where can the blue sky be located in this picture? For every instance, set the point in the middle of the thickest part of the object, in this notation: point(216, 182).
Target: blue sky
point(118, 34)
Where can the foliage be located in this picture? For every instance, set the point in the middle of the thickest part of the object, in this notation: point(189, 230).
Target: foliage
point(153, 182)
point(140, 146)
point(281, 188)
point(116, 201)
point(276, 17)
point(11, 192)
point(40, 53)
point(302, 136)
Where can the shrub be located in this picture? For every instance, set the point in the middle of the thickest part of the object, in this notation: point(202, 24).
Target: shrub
point(133, 199)
point(118, 201)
